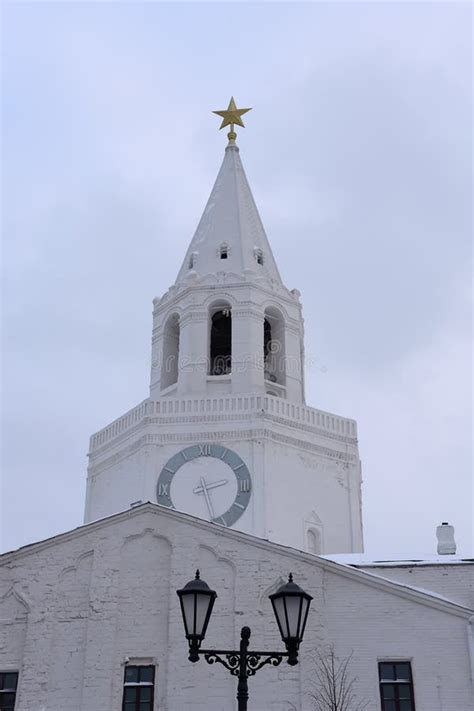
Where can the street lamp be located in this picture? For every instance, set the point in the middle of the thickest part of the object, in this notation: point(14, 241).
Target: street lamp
point(290, 605)
point(197, 601)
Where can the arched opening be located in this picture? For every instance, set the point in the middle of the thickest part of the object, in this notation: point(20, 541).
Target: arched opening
point(274, 346)
point(314, 541)
point(192, 260)
point(169, 366)
point(221, 340)
point(223, 251)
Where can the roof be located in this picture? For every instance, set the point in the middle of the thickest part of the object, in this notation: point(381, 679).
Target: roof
point(230, 220)
point(361, 560)
point(386, 585)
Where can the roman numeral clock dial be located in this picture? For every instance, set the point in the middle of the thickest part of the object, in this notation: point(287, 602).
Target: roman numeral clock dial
point(206, 480)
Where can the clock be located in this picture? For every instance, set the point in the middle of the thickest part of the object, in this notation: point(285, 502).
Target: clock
point(208, 481)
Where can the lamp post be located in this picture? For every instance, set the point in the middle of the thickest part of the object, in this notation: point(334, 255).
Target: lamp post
point(290, 605)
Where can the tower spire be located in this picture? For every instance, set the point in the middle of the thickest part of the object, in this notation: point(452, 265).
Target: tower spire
point(230, 236)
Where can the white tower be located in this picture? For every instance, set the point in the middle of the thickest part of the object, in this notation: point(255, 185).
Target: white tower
point(225, 434)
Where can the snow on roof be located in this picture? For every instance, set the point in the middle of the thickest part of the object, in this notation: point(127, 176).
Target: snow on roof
point(364, 560)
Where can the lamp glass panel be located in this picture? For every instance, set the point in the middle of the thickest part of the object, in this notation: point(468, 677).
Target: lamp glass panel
point(279, 606)
point(304, 613)
point(293, 611)
point(202, 606)
point(188, 612)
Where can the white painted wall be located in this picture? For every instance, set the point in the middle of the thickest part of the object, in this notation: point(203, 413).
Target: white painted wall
point(454, 580)
point(303, 462)
point(75, 606)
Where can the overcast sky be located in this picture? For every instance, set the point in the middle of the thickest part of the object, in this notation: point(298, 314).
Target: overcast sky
point(358, 152)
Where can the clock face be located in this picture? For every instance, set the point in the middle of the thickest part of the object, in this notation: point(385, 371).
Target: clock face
point(208, 481)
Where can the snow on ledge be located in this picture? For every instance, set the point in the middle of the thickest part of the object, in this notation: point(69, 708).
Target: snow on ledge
point(364, 560)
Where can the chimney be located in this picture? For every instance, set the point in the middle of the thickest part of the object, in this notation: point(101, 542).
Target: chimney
point(446, 542)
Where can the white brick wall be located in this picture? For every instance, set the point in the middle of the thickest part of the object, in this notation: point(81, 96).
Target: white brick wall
point(73, 607)
point(453, 580)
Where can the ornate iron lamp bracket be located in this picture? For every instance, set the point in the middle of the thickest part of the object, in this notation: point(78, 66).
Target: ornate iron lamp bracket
point(253, 660)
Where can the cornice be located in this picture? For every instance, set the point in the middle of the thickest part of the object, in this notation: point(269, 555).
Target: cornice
point(246, 313)
point(191, 315)
point(256, 433)
point(181, 291)
point(206, 418)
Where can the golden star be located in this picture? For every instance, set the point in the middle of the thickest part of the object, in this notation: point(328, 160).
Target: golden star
point(232, 115)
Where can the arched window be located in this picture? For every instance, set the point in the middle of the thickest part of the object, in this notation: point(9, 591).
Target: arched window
point(314, 541)
point(169, 366)
point(274, 346)
point(258, 256)
point(221, 340)
point(223, 251)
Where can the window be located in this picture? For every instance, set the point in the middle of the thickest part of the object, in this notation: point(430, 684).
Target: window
point(314, 541)
point(274, 361)
point(259, 256)
point(8, 684)
point(169, 366)
point(221, 342)
point(191, 262)
point(138, 688)
point(223, 251)
point(396, 686)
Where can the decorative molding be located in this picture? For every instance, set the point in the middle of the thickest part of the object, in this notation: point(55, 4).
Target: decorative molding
point(219, 437)
point(183, 289)
point(219, 556)
point(21, 600)
point(222, 419)
point(263, 599)
point(226, 408)
point(73, 568)
point(256, 315)
point(312, 518)
point(193, 316)
point(145, 532)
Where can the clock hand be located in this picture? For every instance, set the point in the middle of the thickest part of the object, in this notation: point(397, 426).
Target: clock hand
point(207, 497)
point(199, 489)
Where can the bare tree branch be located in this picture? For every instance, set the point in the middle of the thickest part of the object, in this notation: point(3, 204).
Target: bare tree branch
point(333, 688)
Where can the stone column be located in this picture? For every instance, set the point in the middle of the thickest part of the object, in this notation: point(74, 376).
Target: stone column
point(247, 350)
point(193, 353)
point(294, 375)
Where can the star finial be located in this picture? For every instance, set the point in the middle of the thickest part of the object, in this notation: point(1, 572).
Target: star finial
point(230, 116)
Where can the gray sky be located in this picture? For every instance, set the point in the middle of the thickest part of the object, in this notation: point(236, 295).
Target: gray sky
point(358, 152)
